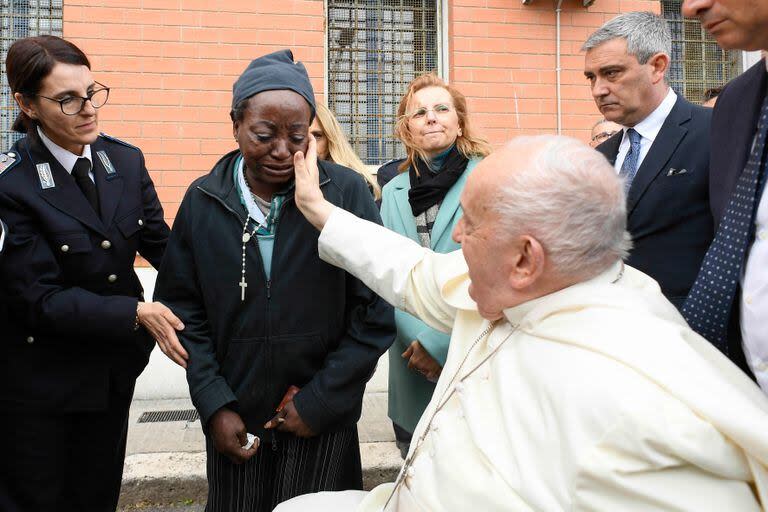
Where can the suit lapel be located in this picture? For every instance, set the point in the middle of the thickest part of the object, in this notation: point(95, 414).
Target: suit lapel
point(404, 208)
point(741, 134)
point(109, 182)
point(669, 137)
point(610, 148)
point(65, 195)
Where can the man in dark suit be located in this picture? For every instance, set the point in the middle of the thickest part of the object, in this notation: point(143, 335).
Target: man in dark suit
point(728, 304)
point(662, 152)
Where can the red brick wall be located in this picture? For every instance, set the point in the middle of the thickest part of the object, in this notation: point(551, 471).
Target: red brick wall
point(171, 64)
point(503, 57)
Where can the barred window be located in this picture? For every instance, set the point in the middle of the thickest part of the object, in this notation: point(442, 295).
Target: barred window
point(18, 19)
point(374, 50)
point(698, 63)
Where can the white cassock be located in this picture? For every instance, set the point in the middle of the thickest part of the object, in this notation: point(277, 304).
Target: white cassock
point(597, 397)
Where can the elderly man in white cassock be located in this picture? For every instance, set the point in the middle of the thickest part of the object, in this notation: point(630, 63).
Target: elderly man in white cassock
point(571, 382)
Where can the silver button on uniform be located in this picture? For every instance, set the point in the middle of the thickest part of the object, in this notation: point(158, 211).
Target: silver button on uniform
point(112, 278)
point(65, 248)
point(30, 339)
point(106, 244)
point(141, 222)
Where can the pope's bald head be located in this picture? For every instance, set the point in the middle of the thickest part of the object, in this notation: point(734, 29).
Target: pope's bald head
point(560, 191)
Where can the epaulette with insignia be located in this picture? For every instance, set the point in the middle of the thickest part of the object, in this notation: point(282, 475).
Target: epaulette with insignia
point(115, 139)
point(8, 160)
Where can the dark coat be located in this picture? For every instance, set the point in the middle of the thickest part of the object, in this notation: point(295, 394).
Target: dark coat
point(667, 209)
point(734, 124)
point(67, 278)
point(388, 171)
point(3, 231)
point(311, 325)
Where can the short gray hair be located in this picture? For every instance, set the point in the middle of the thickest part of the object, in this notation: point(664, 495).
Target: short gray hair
point(646, 34)
point(570, 199)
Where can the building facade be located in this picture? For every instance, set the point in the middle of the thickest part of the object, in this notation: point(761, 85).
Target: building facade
point(171, 64)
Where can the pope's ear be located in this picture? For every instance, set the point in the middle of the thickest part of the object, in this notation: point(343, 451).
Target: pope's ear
point(528, 264)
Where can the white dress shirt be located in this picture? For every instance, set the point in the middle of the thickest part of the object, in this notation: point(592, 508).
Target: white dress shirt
point(648, 129)
point(754, 298)
point(66, 158)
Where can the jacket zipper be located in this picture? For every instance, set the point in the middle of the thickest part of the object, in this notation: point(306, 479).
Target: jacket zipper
point(269, 295)
point(268, 282)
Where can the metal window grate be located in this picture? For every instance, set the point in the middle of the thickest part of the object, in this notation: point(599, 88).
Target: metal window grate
point(375, 48)
point(698, 63)
point(18, 19)
point(187, 415)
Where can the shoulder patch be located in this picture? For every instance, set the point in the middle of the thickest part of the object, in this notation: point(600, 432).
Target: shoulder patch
point(118, 141)
point(8, 161)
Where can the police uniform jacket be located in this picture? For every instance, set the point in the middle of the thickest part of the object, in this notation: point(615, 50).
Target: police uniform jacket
point(67, 278)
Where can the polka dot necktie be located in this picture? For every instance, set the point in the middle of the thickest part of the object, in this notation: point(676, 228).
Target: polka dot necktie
point(708, 306)
point(629, 166)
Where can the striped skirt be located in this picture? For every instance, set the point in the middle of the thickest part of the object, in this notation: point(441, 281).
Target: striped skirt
point(282, 470)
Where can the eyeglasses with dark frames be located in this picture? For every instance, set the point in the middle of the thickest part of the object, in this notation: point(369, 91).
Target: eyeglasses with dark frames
point(73, 105)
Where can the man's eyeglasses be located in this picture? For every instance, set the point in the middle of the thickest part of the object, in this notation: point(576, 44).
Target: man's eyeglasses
point(603, 136)
point(72, 105)
point(439, 110)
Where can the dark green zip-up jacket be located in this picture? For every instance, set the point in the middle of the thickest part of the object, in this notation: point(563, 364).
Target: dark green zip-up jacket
point(312, 325)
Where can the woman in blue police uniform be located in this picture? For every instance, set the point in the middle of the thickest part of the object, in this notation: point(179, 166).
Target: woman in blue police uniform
point(78, 207)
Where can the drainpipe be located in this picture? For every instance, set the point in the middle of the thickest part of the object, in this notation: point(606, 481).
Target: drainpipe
point(558, 9)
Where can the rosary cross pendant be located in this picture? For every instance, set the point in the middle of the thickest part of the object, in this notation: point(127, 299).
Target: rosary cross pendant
point(243, 285)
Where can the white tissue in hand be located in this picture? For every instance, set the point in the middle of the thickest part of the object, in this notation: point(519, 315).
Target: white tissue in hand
point(251, 440)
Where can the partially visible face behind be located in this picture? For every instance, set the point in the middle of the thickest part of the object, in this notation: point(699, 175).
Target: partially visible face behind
point(602, 132)
point(487, 254)
point(623, 89)
point(69, 132)
point(735, 24)
point(275, 126)
point(322, 141)
point(437, 129)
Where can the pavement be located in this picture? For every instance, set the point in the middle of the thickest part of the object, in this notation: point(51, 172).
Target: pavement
point(165, 460)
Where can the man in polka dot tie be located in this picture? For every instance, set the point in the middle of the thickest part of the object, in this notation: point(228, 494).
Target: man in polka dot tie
point(728, 303)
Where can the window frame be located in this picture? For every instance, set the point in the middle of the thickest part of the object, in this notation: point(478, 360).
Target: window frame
point(441, 39)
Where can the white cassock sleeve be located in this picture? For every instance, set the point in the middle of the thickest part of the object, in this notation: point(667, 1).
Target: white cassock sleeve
point(395, 267)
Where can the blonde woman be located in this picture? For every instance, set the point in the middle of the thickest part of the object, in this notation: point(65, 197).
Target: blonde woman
point(422, 203)
point(332, 146)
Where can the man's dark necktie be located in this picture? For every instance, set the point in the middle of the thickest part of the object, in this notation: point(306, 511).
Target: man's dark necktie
point(629, 166)
point(708, 306)
point(80, 173)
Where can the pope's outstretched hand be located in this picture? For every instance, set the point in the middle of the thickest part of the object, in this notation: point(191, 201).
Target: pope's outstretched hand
point(309, 198)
